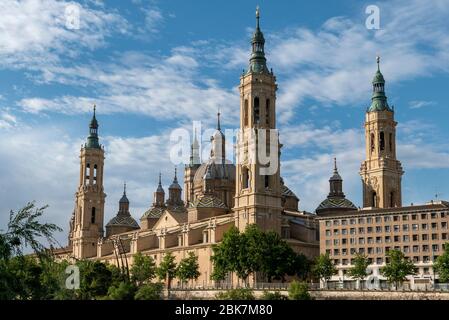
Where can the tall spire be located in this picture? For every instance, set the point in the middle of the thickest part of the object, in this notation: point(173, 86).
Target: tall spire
point(92, 139)
point(258, 62)
point(336, 183)
point(218, 119)
point(124, 188)
point(379, 100)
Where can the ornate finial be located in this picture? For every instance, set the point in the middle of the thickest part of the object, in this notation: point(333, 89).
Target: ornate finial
point(160, 180)
point(378, 62)
point(218, 119)
point(176, 178)
point(257, 17)
point(124, 188)
point(335, 165)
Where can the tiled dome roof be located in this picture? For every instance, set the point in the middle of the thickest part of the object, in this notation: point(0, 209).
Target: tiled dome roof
point(336, 203)
point(123, 221)
point(208, 201)
point(153, 212)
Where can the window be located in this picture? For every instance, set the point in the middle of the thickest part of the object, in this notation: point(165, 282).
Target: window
point(387, 219)
point(405, 227)
point(425, 248)
point(352, 221)
point(361, 240)
point(425, 259)
point(352, 231)
point(372, 142)
point(379, 261)
point(415, 259)
point(245, 113)
point(328, 243)
point(352, 241)
point(369, 220)
point(245, 178)
point(336, 242)
point(396, 239)
point(378, 219)
point(374, 200)
point(344, 241)
point(379, 250)
point(414, 217)
point(404, 218)
point(378, 239)
point(95, 174)
point(369, 229)
point(361, 220)
point(256, 110)
point(344, 222)
point(370, 240)
point(328, 233)
point(406, 249)
point(267, 181)
point(423, 216)
point(353, 251)
point(387, 229)
point(344, 231)
point(434, 215)
point(361, 230)
point(442, 214)
point(405, 238)
point(336, 222)
point(378, 229)
point(444, 236)
point(390, 141)
point(180, 240)
point(434, 236)
point(425, 226)
point(344, 252)
point(336, 252)
point(415, 227)
point(396, 228)
point(387, 239)
point(328, 223)
point(370, 250)
point(395, 218)
point(425, 237)
point(415, 248)
point(443, 225)
point(336, 232)
point(382, 141)
point(415, 237)
point(434, 226)
point(92, 217)
point(267, 112)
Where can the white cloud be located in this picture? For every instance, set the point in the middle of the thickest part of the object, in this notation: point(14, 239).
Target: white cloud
point(417, 104)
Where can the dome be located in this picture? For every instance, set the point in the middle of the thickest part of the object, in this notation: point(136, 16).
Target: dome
point(124, 199)
point(378, 77)
point(153, 212)
point(121, 220)
point(208, 201)
point(215, 171)
point(336, 203)
point(286, 192)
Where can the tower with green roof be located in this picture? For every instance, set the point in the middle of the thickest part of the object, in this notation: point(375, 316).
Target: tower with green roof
point(258, 198)
point(381, 172)
point(87, 226)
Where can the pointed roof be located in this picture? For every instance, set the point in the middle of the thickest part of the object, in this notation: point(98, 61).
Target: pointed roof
point(175, 184)
point(258, 62)
point(92, 139)
point(159, 186)
point(336, 176)
point(379, 99)
point(124, 198)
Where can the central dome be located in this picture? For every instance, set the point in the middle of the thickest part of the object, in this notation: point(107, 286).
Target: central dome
point(216, 171)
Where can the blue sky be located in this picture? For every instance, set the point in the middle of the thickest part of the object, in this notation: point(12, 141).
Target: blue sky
point(154, 66)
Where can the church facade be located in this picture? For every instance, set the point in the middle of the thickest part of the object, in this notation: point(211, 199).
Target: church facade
point(216, 195)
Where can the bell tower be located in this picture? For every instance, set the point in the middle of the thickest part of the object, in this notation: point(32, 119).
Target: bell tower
point(90, 197)
point(381, 172)
point(258, 190)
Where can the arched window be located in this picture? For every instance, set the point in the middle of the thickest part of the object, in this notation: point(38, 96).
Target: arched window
point(382, 141)
point(267, 112)
point(372, 142)
point(374, 199)
point(390, 141)
point(245, 113)
point(245, 178)
point(256, 110)
point(92, 217)
point(267, 181)
point(95, 174)
point(87, 174)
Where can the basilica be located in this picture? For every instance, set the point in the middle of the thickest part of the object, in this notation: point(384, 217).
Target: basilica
point(216, 194)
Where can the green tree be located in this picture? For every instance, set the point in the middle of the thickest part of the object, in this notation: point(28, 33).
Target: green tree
point(359, 270)
point(167, 269)
point(397, 268)
point(149, 291)
point(298, 291)
point(143, 269)
point(188, 268)
point(323, 268)
point(302, 266)
point(124, 291)
point(95, 279)
point(25, 230)
point(225, 255)
point(442, 265)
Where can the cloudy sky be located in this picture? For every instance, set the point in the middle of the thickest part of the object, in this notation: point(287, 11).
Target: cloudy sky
point(154, 66)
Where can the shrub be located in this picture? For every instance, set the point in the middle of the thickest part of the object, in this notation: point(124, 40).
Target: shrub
point(276, 295)
point(150, 291)
point(236, 294)
point(298, 291)
point(124, 291)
